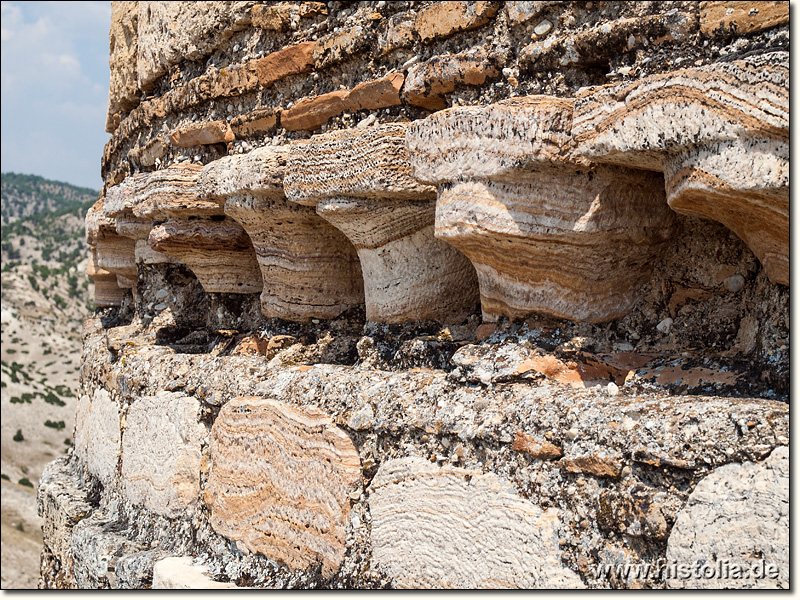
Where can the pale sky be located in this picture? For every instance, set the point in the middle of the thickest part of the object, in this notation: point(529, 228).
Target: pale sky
point(55, 89)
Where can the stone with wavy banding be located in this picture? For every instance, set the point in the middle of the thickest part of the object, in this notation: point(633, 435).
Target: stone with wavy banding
point(360, 182)
point(280, 482)
point(547, 231)
point(161, 453)
point(97, 435)
point(720, 134)
point(107, 291)
point(219, 253)
point(138, 230)
point(161, 194)
point(736, 514)
point(113, 252)
point(446, 527)
point(308, 267)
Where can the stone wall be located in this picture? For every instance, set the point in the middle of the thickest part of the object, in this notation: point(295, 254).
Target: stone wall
point(435, 294)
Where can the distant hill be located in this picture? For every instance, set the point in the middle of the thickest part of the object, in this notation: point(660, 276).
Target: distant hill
point(45, 296)
point(29, 195)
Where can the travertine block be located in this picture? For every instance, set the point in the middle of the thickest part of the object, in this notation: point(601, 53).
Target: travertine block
point(123, 44)
point(280, 482)
point(742, 17)
point(445, 527)
point(719, 133)
point(161, 453)
point(173, 31)
point(138, 230)
point(547, 231)
point(180, 573)
point(218, 252)
point(442, 19)
point(360, 182)
point(428, 82)
point(199, 134)
point(112, 252)
point(737, 515)
point(309, 269)
point(97, 435)
point(161, 194)
point(107, 291)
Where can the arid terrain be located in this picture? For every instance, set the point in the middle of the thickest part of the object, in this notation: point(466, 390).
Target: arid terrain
point(44, 299)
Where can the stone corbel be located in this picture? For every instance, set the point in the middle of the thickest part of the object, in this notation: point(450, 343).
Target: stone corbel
point(309, 269)
point(547, 231)
point(720, 135)
point(359, 181)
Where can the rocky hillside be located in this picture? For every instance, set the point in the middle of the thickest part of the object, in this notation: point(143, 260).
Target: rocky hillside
point(45, 296)
point(29, 195)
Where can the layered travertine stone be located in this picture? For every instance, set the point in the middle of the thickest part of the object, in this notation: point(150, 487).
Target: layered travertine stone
point(97, 435)
point(161, 453)
point(280, 482)
point(720, 134)
point(170, 32)
point(107, 291)
point(445, 527)
point(737, 515)
point(547, 231)
point(218, 252)
point(123, 38)
point(161, 194)
point(113, 252)
point(309, 269)
point(139, 230)
point(360, 182)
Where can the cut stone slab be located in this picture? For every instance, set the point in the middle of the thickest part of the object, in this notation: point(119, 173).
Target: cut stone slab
point(181, 573)
point(161, 453)
point(447, 527)
point(739, 514)
point(280, 483)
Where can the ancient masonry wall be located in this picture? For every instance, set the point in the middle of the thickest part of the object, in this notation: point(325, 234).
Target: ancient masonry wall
point(434, 294)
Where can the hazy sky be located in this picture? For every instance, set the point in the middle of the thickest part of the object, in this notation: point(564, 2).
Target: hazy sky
point(55, 89)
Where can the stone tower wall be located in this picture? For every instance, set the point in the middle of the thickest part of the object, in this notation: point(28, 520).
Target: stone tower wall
point(434, 294)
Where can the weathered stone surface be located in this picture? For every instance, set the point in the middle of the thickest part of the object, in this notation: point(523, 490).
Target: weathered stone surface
point(399, 33)
point(107, 291)
point(742, 17)
point(280, 482)
point(443, 19)
point(447, 527)
point(173, 31)
point(290, 60)
point(138, 230)
point(219, 253)
point(61, 503)
point(97, 545)
point(340, 45)
point(197, 134)
point(738, 514)
point(311, 113)
point(254, 123)
point(719, 133)
point(181, 573)
point(147, 155)
point(545, 232)
point(309, 269)
point(97, 435)
point(161, 194)
point(541, 449)
point(522, 11)
point(360, 182)
point(112, 253)
point(427, 82)
point(123, 45)
point(161, 453)
point(601, 44)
